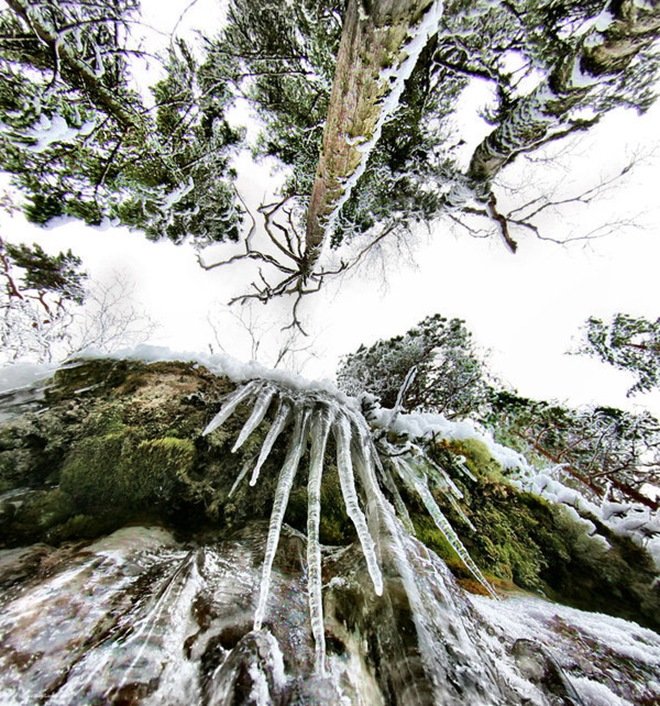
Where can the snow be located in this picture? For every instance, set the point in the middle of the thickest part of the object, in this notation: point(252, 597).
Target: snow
point(20, 375)
point(280, 501)
point(425, 425)
point(394, 80)
point(579, 79)
point(221, 364)
point(624, 519)
point(320, 428)
point(48, 131)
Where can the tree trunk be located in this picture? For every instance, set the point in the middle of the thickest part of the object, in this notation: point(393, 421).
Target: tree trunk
point(536, 118)
point(75, 71)
point(380, 43)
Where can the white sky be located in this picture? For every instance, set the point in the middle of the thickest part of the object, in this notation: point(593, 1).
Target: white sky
point(524, 309)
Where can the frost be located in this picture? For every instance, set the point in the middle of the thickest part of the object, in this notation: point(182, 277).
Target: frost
point(280, 502)
point(395, 78)
point(319, 430)
point(175, 196)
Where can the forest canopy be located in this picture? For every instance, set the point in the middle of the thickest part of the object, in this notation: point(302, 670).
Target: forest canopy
point(82, 140)
point(357, 103)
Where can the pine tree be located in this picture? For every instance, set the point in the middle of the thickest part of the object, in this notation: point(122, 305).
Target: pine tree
point(628, 343)
point(82, 142)
point(449, 377)
point(606, 450)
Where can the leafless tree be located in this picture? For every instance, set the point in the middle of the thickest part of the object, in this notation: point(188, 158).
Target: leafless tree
point(264, 338)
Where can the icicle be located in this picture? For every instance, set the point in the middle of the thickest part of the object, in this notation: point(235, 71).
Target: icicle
point(442, 480)
point(366, 458)
point(281, 418)
point(230, 405)
point(244, 469)
point(441, 476)
point(460, 462)
point(256, 417)
point(399, 505)
point(280, 501)
point(319, 430)
point(410, 378)
point(342, 433)
point(459, 511)
point(419, 483)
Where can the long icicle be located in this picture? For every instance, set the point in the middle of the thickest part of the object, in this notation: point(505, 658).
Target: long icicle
point(372, 461)
point(319, 430)
point(259, 410)
point(230, 404)
point(367, 459)
point(412, 478)
point(281, 418)
point(342, 433)
point(280, 502)
point(390, 485)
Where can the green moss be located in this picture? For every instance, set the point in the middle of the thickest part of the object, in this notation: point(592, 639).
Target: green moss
point(36, 512)
point(432, 537)
point(82, 527)
point(477, 457)
point(157, 467)
point(539, 546)
point(335, 527)
point(121, 472)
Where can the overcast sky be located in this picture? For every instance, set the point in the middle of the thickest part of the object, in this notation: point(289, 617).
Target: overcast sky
point(524, 309)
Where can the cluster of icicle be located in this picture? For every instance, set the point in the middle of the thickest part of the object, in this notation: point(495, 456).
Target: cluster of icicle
point(312, 416)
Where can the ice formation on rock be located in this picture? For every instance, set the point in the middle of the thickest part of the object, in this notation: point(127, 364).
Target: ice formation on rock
point(313, 416)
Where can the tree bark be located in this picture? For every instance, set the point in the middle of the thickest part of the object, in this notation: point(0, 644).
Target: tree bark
point(76, 71)
point(534, 119)
point(380, 42)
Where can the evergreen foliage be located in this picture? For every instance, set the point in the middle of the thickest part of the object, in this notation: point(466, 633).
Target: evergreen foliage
point(449, 377)
point(628, 343)
point(82, 142)
point(608, 450)
point(414, 172)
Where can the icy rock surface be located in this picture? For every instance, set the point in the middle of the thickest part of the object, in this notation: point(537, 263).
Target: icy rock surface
point(140, 618)
point(314, 415)
point(262, 614)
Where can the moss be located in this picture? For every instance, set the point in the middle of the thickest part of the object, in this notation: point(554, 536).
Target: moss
point(522, 539)
point(477, 457)
point(31, 514)
point(335, 527)
point(157, 467)
point(81, 526)
point(121, 472)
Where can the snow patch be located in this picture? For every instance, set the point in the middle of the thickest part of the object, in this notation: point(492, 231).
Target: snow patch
point(48, 131)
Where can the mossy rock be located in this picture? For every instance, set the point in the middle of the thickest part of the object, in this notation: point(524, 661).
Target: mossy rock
point(30, 515)
point(477, 457)
point(522, 540)
point(122, 472)
point(335, 527)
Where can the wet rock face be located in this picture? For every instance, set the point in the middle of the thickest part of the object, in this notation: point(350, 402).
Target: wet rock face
point(140, 618)
point(131, 574)
point(109, 442)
